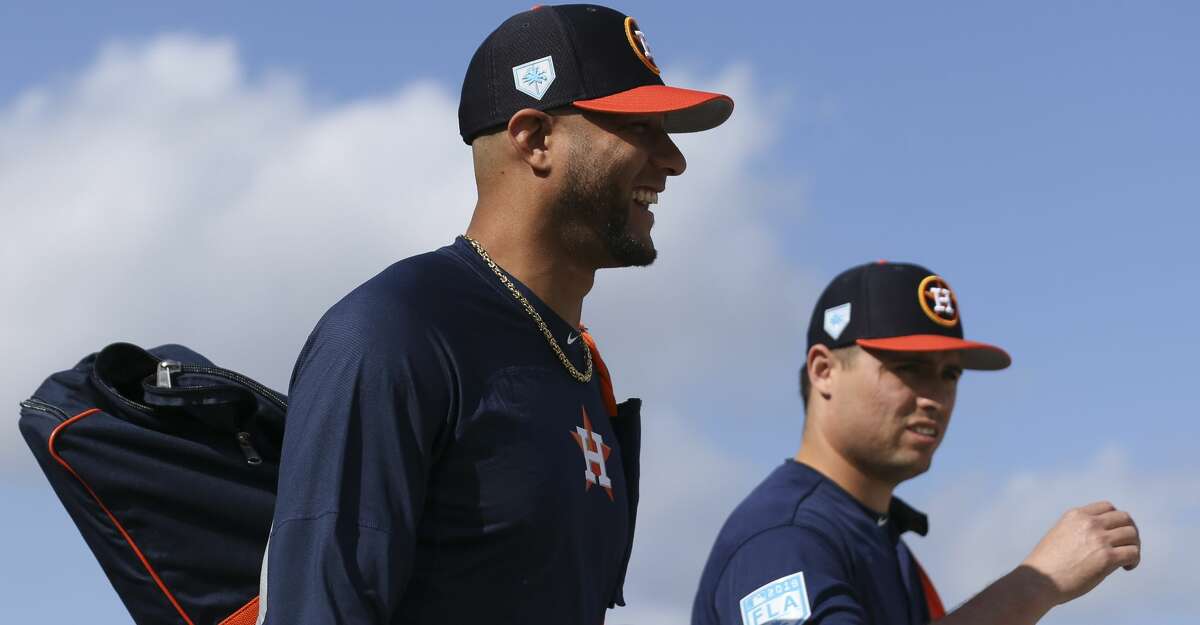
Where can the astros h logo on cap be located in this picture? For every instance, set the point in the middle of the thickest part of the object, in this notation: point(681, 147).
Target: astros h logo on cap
point(637, 41)
point(938, 301)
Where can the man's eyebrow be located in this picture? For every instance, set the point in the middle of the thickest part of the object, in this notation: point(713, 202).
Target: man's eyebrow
point(903, 358)
point(917, 359)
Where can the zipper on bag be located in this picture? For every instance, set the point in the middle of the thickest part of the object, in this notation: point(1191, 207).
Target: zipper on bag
point(248, 450)
point(38, 405)
point(168, 367)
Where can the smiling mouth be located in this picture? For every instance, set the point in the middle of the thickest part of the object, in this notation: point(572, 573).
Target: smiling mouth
point(924, 430)
point(645, 197)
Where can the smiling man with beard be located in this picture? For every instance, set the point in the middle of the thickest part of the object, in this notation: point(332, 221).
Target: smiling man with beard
point(454, 451)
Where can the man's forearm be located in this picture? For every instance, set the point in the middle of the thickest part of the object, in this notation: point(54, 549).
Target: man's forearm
point(1022, 597)
point(1086, 545)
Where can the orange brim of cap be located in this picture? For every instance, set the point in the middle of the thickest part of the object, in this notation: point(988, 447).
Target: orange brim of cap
point(975, 355)
point(686, 110)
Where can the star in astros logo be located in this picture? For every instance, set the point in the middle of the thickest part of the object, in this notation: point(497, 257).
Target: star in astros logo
point(595, 453)
point(938, 301)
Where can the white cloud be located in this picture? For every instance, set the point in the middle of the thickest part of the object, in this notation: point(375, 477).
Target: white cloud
point(984, 526)
point(162, 196)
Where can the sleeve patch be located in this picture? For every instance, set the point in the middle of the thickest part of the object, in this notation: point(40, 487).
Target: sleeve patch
point(781, 602)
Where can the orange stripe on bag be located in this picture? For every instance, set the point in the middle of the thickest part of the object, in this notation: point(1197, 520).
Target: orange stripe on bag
point(120, 528)
point(246, 615)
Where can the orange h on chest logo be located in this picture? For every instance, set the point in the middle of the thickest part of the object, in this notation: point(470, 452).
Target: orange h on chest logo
point(595, 453)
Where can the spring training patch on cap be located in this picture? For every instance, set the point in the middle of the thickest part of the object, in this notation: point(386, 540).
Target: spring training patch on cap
point(836, 320)
point(938, 301)
point(637, 41)
point(535, 77)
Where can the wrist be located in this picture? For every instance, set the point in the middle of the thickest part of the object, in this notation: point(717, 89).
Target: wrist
point(1022, 597)
point(1031, 589)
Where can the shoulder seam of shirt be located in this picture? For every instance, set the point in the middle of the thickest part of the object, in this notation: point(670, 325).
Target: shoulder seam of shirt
point(317, 517)
point(467, 263)
point(799, 502)
point(478, 270)
point(792, 522)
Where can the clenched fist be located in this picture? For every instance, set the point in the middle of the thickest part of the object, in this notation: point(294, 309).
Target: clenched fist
point(1085, 546)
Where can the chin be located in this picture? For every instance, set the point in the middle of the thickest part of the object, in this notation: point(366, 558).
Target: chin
point(903, 469)
point(646, 243)
point(628, 250)
point(917, 467)
point(920, 469)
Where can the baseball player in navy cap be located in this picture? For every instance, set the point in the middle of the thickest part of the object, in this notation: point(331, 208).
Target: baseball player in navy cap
point(819, 540)
point(454, 451)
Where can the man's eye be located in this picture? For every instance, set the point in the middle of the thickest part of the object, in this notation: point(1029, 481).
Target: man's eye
point(952, 374)
point(639, 127)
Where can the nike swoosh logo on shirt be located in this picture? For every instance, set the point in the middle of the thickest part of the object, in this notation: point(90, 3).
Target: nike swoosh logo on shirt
point(571, 338)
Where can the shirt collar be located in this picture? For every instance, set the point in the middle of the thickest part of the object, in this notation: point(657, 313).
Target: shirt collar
point(901, 516)
point(907, 518)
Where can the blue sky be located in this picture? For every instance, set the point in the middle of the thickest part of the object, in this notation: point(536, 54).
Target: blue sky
point(1042, 157)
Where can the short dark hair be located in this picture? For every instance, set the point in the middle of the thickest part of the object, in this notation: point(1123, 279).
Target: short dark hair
point(844, 354)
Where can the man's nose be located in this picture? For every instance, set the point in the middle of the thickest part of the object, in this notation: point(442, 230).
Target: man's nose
point(931, 404)
point(668, 157)
point(935, 395)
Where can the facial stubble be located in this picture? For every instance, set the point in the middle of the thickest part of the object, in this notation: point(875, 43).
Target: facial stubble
point(593, 215)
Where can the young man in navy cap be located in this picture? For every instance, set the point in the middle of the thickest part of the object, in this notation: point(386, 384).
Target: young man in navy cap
point(454, 452)
point(819, 541)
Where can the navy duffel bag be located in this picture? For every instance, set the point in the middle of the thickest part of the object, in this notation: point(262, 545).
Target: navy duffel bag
point(168, 466)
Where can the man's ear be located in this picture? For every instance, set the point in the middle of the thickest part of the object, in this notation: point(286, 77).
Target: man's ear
point(529, 133)
point(821, 364)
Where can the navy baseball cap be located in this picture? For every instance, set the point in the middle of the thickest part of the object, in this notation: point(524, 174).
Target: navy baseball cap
point(897, 307)
point(582, 55)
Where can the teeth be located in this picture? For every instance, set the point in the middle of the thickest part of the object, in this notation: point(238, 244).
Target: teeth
point(645, 196)
point(927, 431)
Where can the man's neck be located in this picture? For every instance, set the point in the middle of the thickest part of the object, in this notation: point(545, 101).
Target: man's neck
point(537, 261)
point(870, 492)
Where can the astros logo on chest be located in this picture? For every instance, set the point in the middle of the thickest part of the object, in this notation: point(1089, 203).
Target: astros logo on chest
point(595, 453)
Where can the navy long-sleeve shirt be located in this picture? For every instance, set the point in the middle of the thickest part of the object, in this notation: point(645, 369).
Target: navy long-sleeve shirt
point(441, 466)
point(799, 549)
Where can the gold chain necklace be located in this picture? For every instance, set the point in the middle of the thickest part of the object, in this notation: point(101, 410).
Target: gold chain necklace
point(584, 376)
